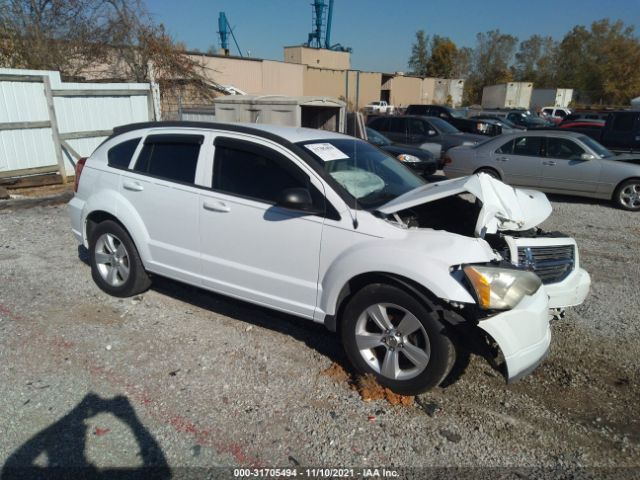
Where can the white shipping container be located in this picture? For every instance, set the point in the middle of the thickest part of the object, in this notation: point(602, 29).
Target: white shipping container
point(507, 95)
point(551, 97)
point(324, 113)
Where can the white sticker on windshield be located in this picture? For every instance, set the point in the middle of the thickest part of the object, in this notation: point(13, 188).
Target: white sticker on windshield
point(326, 151)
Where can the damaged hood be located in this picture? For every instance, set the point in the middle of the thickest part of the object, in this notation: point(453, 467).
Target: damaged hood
point(503, 207)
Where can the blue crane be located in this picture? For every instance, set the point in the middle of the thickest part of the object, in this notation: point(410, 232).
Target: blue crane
point(224, 30)
point(321, 22)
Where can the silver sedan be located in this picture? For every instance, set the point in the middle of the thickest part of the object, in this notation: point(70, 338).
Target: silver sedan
point(556, 162)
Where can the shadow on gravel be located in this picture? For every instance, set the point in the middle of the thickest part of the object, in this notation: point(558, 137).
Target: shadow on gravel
point(58, 451)
point(314, 335)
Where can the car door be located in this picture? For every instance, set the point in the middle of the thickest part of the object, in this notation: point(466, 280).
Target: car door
point(252, 248)
point(564, 169)
point(397, 129)
point(418, 131)
point(622, 131)
point(519, 160)
point(161, 186)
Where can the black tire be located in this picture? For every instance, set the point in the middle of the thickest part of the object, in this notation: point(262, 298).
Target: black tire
point(432, 338)
point(489, 171)
point(627, 195)
point(137, 280)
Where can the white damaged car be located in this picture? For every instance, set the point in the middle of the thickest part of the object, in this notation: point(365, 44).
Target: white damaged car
point(331, 229)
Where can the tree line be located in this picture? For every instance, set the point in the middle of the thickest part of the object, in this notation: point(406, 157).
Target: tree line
point(601, 62)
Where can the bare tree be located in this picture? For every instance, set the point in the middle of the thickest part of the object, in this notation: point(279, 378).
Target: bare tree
point(95, 39)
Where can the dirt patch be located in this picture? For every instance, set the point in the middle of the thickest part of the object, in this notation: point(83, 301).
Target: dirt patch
point(367, 386)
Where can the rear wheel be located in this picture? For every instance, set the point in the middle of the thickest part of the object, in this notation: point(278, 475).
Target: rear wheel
point(627, 195)
point(489, 171)
point(401, 341)
point(115, 263)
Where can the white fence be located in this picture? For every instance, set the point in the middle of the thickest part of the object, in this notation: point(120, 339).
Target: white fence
point(46, 124)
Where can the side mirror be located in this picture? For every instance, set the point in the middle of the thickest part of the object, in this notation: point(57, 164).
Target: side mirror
point(587, 156)
point(298, 199)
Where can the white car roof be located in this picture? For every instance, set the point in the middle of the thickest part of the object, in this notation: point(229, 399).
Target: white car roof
point(291, 134)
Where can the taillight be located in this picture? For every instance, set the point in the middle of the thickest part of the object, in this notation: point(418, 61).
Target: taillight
point(79, 167)
point(447, 160)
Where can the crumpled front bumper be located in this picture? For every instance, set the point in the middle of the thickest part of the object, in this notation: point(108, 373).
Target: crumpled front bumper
point(571, 291)
point(522, 333)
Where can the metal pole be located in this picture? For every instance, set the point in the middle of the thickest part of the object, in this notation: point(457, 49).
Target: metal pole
point(55, 133)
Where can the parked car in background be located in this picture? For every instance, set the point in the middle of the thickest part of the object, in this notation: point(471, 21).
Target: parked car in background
point(430, 133)
point(621, 131)
point(507, 125)
point(553, 161)
point(585, 115)
point(322, 226)
point(457, 118)
point(421, 161)
point(591, 128)
point(379, 108)
point(526, 119)
point(555, 114)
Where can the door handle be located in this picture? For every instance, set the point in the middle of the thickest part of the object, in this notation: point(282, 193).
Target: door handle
point(502, 159)
point(133, 186)
point(216, 206)
point(549, 164)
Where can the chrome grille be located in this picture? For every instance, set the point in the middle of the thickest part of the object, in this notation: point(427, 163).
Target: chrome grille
point(552, 264)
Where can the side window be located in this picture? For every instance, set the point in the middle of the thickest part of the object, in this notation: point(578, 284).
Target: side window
point(507, 148)
point(563, 148)
point(251, 173)
point(561, 113)
point(547, 111)
point(120, 155)
point(417, 127)
point(529, 146)
point(397, 125)
point(379, 123)
point(623, 122)
point(173, 157)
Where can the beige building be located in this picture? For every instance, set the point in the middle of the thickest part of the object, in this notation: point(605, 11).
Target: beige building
point(318, 57)
point(301, 75)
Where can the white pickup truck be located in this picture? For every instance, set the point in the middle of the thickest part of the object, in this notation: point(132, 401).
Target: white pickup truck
point(379, 107)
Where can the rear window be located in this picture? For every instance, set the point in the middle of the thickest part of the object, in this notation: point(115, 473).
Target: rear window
point(120, 156)
point(172, 157)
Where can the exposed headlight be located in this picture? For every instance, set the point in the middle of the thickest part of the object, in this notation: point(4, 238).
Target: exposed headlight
point(405, 157)
point(501, 288)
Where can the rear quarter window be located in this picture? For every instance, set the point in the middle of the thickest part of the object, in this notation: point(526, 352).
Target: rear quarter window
point(120, 156)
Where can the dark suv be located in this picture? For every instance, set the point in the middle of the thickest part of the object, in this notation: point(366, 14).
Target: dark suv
point(457, 118)
point(430, 133)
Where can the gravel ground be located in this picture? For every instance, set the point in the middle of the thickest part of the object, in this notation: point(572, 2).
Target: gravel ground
point(180, 377)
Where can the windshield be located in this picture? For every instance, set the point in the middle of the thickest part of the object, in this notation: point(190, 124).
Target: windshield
point(366, 173)
point(443, 126)
point(377, 138)
point(600, 150)
point(459, 113)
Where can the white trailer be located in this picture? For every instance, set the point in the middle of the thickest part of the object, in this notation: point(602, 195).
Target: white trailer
point(551, 97)
point(507, 95)
point(324, 113)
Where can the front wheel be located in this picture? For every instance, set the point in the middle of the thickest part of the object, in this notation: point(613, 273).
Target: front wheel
point(627, 195)
point(401, 341)
point(489, 171)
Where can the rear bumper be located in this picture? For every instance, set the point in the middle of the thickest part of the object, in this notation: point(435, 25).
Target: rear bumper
point(523, 334)
point(571, 291)
point(74, 210)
